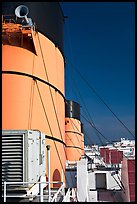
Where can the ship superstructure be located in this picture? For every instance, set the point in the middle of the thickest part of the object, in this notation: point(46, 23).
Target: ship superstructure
point(112, 171)
point(43, 153)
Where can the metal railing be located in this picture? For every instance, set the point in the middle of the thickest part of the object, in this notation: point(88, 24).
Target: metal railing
point(54, 199)
point(61, 191)
point(9, 19)
point(67, 196)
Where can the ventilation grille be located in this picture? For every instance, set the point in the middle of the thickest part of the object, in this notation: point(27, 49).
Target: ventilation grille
point(12, 158)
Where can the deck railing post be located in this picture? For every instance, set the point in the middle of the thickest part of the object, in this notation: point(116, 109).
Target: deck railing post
point(41, 190)
point(49, 191)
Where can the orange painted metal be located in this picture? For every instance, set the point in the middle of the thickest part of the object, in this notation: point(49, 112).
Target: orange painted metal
point(29, 103)
point(74, 139)
point(82, 143)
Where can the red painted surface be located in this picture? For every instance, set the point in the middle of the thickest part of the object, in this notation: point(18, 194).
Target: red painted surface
point(131, 165)
point(105, 196)
point(132, 192)
point(115, 156)
point(106, 156)
point(102, 150)
point(128, 179)
point(131, 179)
point(120, 156)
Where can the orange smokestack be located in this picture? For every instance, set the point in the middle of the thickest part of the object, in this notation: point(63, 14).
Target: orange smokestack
point(73, 134)
point(33, 77)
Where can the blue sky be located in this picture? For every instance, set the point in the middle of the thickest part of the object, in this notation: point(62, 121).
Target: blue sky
point(100, 43)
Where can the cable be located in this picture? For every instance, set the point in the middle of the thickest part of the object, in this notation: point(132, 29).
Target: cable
point(31, 104)
point(93, 123)
point(50, 89)
point(111, 112)
point(118, 183)
point(69, 37)
point(90, 117)
point(122, 186)
point(73, 125)
point(103, 101)
point(96, 131)
point(71, 55)
point(96, 128)
point(75, 86)
point(78, 130)
point(31, 97)
point(51, 97)
point(73, 122)
point(55, 109)
point(74, 146)
point(121, 182)
point(50, 128)
point(104, 136)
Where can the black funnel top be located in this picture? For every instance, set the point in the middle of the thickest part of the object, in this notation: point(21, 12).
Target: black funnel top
point(72, 110)
point(48, 17)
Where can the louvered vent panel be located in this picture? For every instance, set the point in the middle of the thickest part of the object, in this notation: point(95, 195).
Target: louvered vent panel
point(12, 158)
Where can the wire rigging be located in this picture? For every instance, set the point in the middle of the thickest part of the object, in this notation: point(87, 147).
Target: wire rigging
point(121, 186)
point(31, 103)
point(95, 92)
point(93, 125)
point(88, 114)
point(53, 107)
point(104, 137)
point(74, 81)
point(49, 127)
point(96, 95)
point(86, 111)
point(74, 146)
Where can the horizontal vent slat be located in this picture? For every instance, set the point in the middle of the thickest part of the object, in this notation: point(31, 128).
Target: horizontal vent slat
point(12, 143)
point(10, 179)
point(12, 158)
point(12, 136)
point(12, 148)
point(11, 153)
point(11, 176)
point(14, 163)
point(11, 139)
point(12, 170)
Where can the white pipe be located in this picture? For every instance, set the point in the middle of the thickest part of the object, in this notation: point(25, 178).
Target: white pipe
point(26, 19)
point(4, 191)
point(48, 151)
point(41, 190)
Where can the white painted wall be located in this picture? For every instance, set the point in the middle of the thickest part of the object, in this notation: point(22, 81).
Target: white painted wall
point(82, 181)
point(93, 196)
point(110, 181)
point(91, 180)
